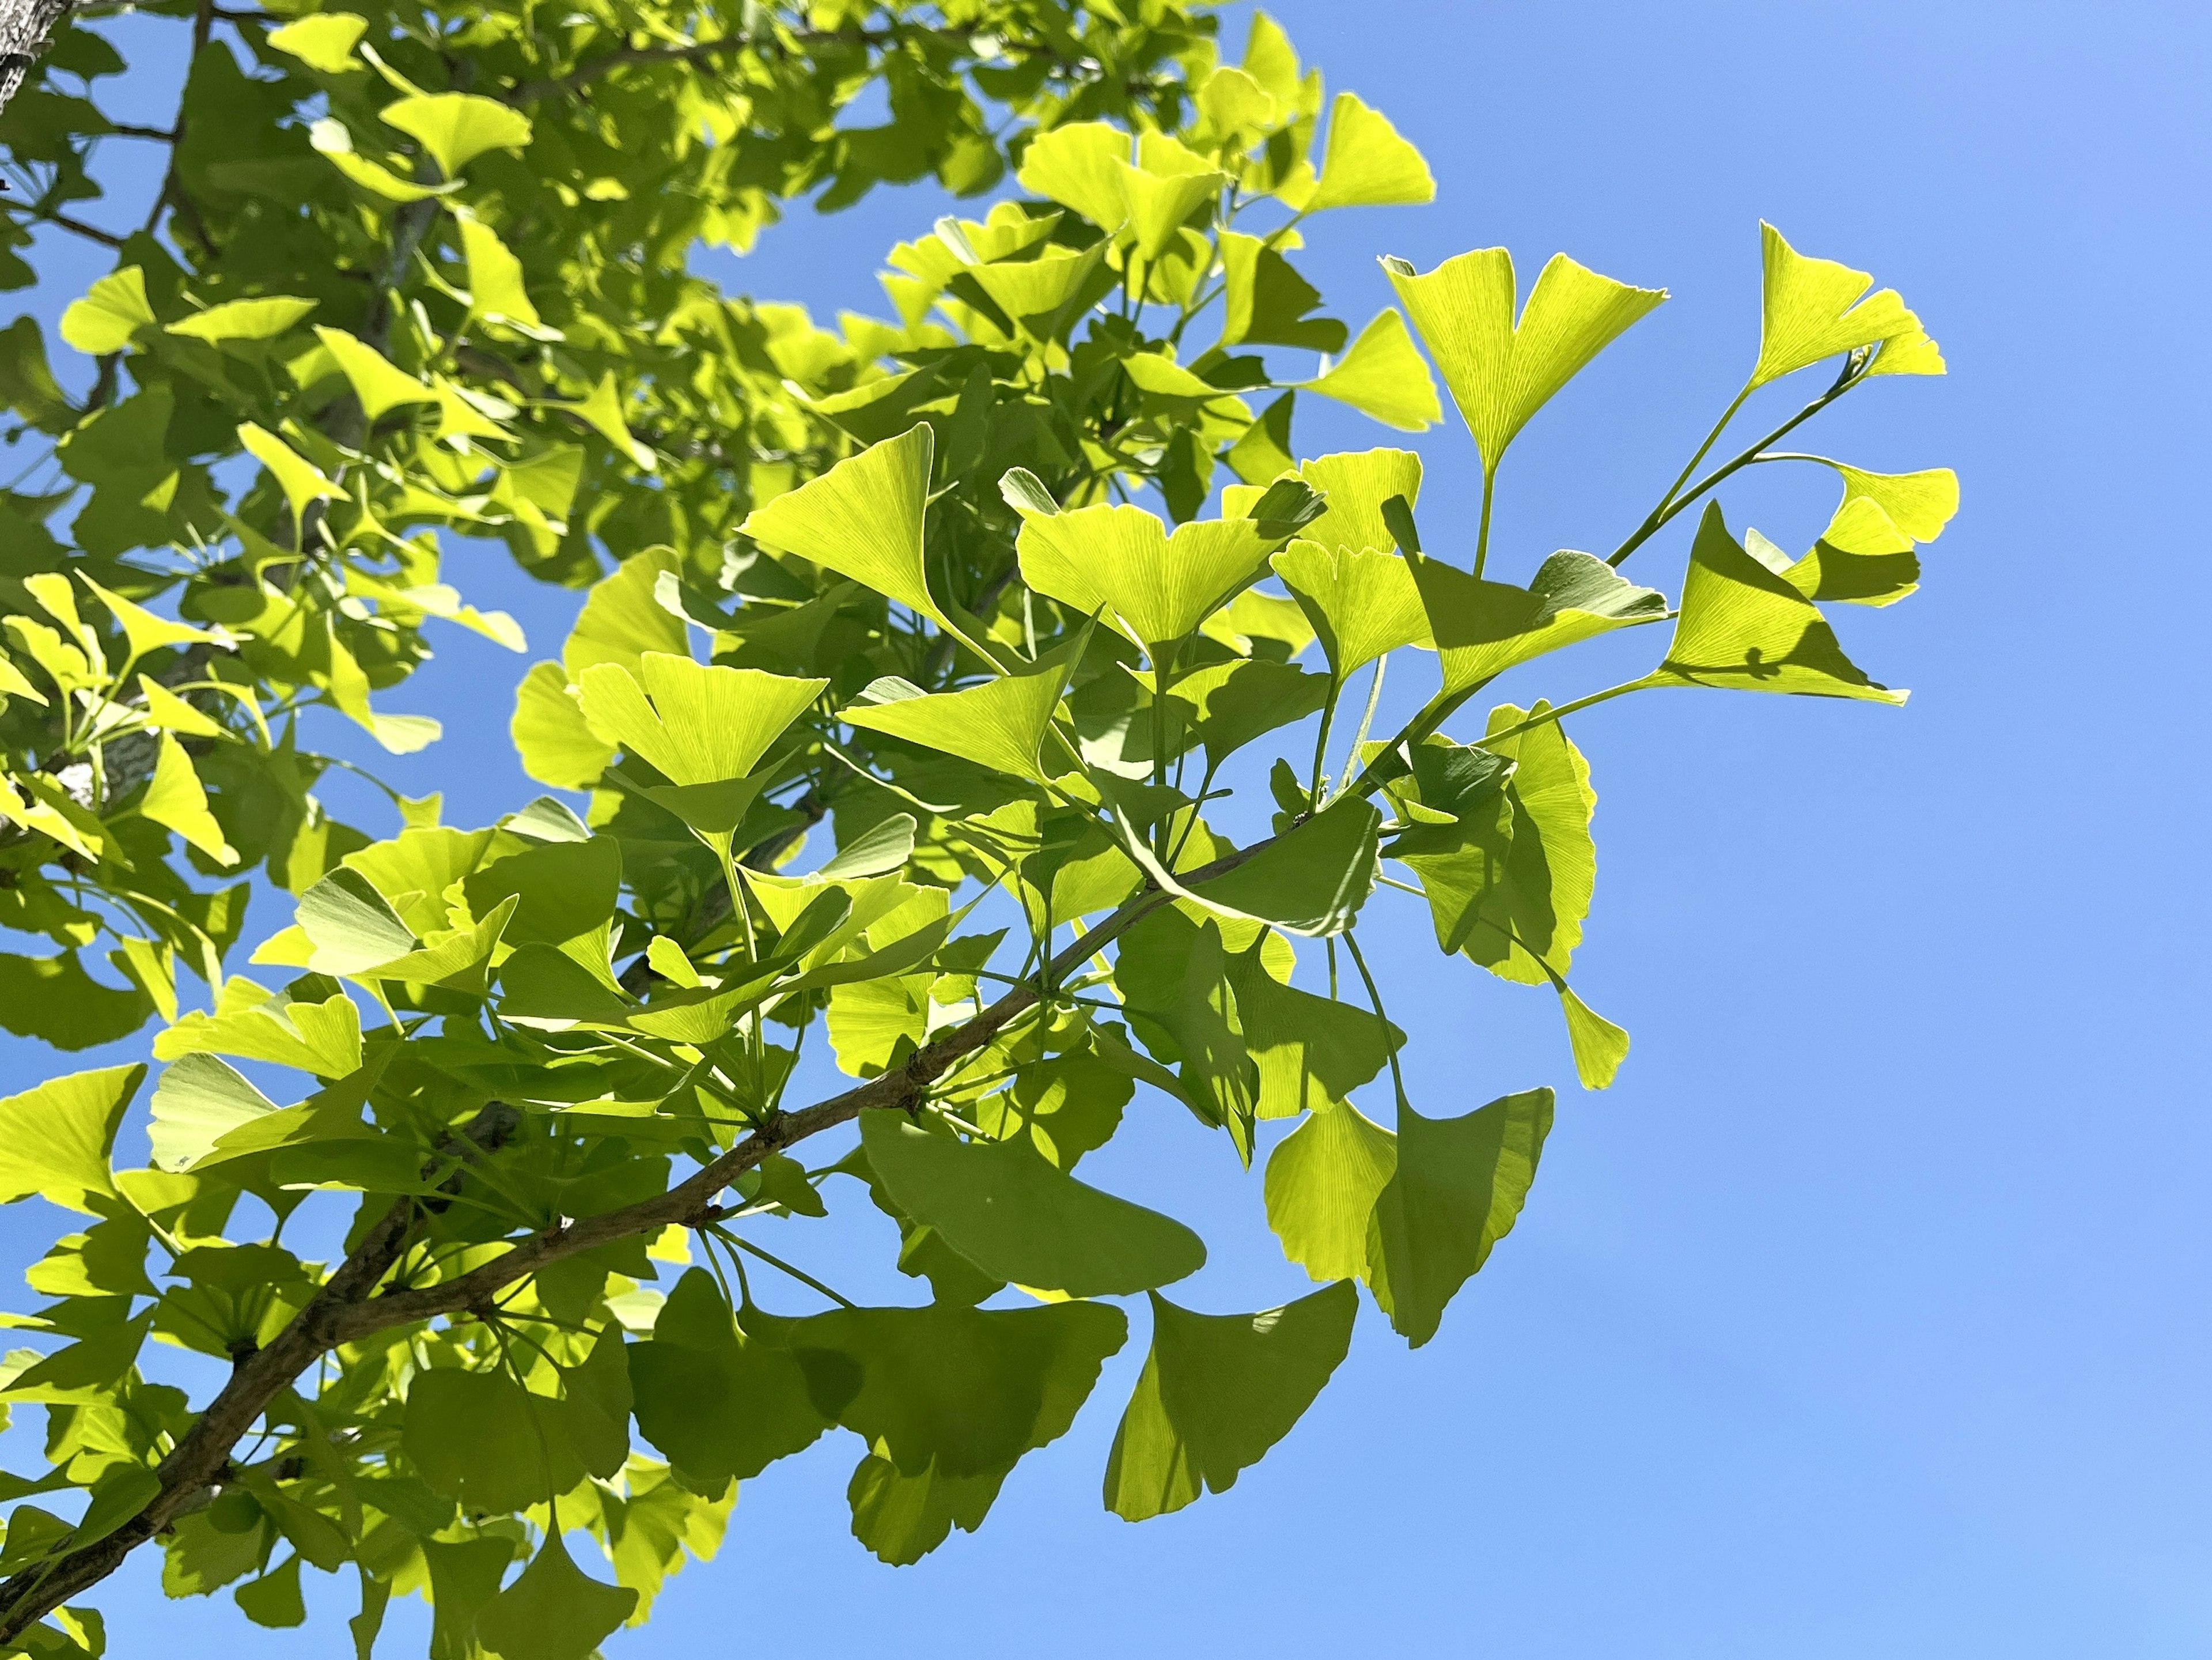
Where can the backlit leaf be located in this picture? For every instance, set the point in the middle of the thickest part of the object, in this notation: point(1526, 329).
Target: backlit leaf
point(1217, 1391)
point(1457, 1190)
point(55, 1140)
point(1018, 1217)
point(1744, 627)
point(173, 798)
point(698, 725)
point(553, 1610)
point(1501, 372)
point(457, 127)
point(111, 314)
point(1817, 308)
point(1367, 164)
point(1324, 1179)
point(1383, 376)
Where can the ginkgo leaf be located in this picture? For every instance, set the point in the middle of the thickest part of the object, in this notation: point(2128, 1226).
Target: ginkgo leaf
point(351, 926)
point(56, 1140)
point(1480, 629)
point(719, 1402)
point(964, 1390)
point(1362, 603)
point(1018, 1218)
point(1501, 372)
point(1310, 1050)
point(144, 631)
point(603, 412)
point(1367, 164)
point(1816, 308)
point(323, 42)
point(1354, 486)
point(1919, 504)
point(1744, 627)
point(198, 1101)
point(698, 725)
point(1311, 881)
point(173, 798)
point(1037, 293)
point(1000, 724)
point(1234, 103)
point(457, 127)
point(1122, 563)
point(1265, 300)
point(1217, 1392)
point(1383, 376)
point(1599, 1046)
point(1080, 164)
point(495, 288)
point(244, 319)
point(1324, 1179)
point(322, 1037)
point(623, 619)
point(863, 519)
point(1457, 1190)
point(552, 736)
point(379, 384)
point(301, 480)
point(111, 314)
point(553, 1610)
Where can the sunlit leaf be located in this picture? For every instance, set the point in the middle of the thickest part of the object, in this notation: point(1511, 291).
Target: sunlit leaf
point(698, 725)
point(1817, 308)
point(55, 1140)
point(1324, 1179)
point(1457, 1190)
point(1367, 164)
point(1217, 1391)
point(1500, 371)
point(457, 127)
point(1382, 375)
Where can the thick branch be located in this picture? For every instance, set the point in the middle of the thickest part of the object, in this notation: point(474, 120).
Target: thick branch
point(25, 28)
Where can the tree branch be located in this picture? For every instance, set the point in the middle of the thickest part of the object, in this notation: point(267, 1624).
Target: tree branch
point(347, 1309)
point(25, 28)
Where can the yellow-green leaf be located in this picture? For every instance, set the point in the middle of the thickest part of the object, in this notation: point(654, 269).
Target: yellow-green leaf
point(56, 1140)
point(1367, 163)
point(174, 797)
point(556, 742)
point(496, 286)
point(1501, 372)
point(244, 319)
point(697, 725)
point(1382, 375)
point(323, 42)
point(380, 385)
point(457, 127)
point(1816, 308)
point(1324, 1179)
point(1746, 627)
point(111, 314)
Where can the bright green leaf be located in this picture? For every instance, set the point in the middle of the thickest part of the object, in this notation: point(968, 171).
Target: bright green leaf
point(553, 1610)
point(1744, 627)
point(1501, 372)
point(697, 725)
point(323, 42)
point(1383, 376)
point(1817, 308)
point(1367, 164)
point(1324, 1179)
point(381, 386)
point(56, 1140)
point(1481, 629)
point(244, 319)
point(173, 798)
point(111, 314)
point(457, 127)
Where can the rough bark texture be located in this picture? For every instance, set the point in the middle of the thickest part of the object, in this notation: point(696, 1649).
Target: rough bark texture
point(24, 26)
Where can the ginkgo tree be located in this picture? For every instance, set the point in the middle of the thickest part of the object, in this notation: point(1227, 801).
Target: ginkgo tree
point(913, 717)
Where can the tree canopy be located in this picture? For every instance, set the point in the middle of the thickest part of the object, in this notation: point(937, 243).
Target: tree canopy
point(924, 674)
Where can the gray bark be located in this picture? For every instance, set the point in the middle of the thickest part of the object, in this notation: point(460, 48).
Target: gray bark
point(25, 27)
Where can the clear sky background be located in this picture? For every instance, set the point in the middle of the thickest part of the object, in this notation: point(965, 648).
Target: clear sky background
point(1868, 1314)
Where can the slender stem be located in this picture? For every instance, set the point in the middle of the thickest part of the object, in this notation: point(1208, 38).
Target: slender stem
point(1550, 715)
point(1374, 996)
point(1367, 716)
point(1482, 535)
point(1853, 374)
point(1704, 449)
point(1321, 738)
point(798, 1273)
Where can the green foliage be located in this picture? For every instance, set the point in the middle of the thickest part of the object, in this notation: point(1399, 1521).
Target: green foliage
point(923, 672)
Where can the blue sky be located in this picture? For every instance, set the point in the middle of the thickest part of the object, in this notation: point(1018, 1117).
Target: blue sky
point(1868, 1313)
